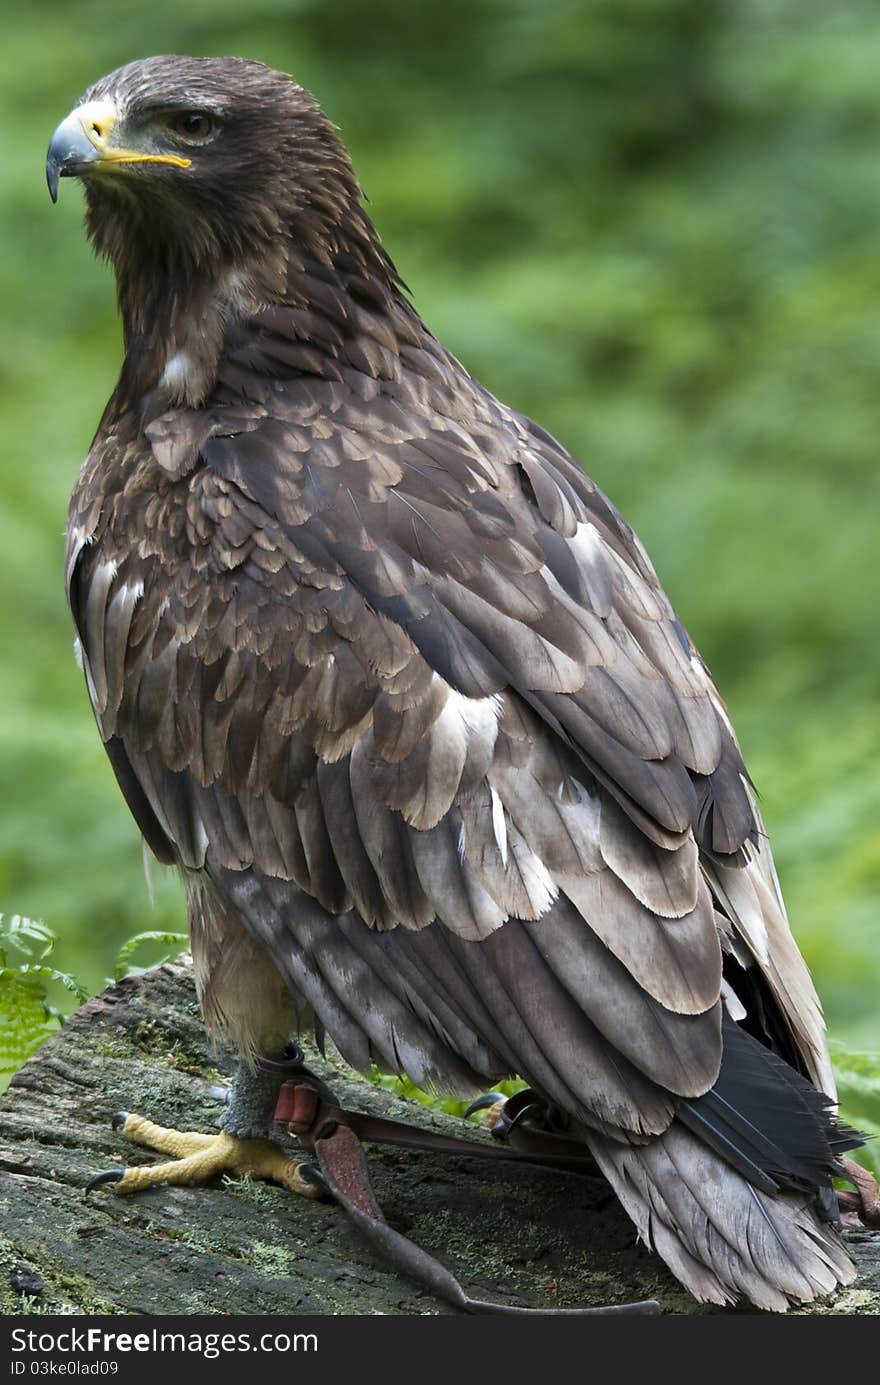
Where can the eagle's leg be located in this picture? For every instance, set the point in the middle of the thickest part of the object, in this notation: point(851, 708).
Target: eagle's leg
point(247, 1006)
point(253, 1096)
point(240, 1150)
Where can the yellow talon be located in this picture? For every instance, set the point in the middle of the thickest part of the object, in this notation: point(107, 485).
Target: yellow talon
point(199, 1157)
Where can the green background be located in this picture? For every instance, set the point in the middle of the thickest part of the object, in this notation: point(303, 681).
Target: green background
point(653, 226)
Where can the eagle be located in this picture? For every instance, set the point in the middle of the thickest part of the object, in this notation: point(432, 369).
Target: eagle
point(389, 680)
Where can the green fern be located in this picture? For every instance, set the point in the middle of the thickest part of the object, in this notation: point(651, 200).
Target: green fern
point(27, 1015)
point(27, 980)
point(858, 1081)
point(123, 965)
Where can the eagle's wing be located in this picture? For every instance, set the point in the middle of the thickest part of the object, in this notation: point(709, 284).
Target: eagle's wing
point(388, 668)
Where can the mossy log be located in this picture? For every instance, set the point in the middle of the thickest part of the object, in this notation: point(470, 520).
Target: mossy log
point(514, 1233)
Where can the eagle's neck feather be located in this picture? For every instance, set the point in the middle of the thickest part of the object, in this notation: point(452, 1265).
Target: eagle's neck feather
point(182, 298)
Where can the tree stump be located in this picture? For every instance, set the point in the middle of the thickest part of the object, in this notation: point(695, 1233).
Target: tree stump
point(514, 1233)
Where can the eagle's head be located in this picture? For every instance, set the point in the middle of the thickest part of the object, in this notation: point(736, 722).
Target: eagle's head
point(202, 159)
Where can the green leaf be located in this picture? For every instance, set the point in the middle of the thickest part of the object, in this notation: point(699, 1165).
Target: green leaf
point(25, 1017)
point(858, 1081)
point(51, 975)
point(123, 966)
point(28, 937)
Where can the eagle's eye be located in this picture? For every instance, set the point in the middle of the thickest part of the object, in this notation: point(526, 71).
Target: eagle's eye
point(196, 127)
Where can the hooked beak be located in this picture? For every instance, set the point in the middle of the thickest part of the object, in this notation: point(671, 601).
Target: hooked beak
point(83, 142)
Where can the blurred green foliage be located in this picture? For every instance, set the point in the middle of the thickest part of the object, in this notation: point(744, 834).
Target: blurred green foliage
point(27, 980)
point(652, 224)
point(858, 1085)
point(30, 984)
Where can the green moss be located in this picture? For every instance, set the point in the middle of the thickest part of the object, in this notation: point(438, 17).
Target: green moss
point(110, 1045)
point(66, 1291)
point(197, 1239)
point(253, 1190)
point(273, 1260)
point(151, 1037)
point(82, 1292)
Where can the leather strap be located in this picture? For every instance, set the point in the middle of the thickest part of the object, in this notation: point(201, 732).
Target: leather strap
point(525, 1146)
point(306, 1107)
point(865, 1201)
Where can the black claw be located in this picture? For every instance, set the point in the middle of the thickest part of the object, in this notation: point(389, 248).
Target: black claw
point(119, 1120)
point(108, 1176)
point(483, 1102)
point(312, 1174)
point(513, 1121)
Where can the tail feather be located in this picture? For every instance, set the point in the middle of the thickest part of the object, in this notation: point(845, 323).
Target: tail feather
point(720, 1235)
point(767, 1120)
